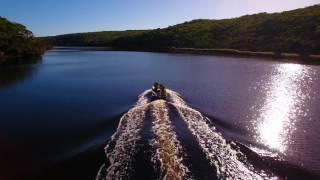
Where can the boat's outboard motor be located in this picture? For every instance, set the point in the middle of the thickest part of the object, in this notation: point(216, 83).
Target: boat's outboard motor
point(158, 91)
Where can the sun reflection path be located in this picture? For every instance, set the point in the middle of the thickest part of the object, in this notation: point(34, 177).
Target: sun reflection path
point(284, 100)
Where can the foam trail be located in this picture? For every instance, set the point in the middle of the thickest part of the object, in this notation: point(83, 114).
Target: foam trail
point(175, 98)
point(220, 154)
point(167, 153)
point(168, 149)
point(125, 139)
point(144, 98)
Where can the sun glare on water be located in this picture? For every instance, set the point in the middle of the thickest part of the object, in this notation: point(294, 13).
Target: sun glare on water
point(282, 104)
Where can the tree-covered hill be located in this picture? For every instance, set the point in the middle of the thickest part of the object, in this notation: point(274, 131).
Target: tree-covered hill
point(295, 31)
point(104, 38)
point(17, 43)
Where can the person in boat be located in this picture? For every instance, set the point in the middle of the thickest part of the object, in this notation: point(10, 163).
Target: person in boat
point(158, 91)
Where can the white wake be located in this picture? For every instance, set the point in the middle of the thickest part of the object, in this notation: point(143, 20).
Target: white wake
point(227, 161)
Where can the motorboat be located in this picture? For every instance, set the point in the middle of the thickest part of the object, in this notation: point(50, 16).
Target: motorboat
point(158, 91)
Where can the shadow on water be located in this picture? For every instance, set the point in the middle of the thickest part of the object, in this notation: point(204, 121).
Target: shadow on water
point(81, 166)
point(11, 74)
point(82, 162)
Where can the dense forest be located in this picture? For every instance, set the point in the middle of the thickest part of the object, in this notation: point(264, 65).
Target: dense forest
point(104, 38)
point(17, 44)
point(296, 31)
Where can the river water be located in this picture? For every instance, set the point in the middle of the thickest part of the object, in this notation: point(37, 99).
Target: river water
point(226, 117)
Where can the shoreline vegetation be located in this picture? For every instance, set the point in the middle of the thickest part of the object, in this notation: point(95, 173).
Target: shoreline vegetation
point(291, 35)
point(233, 52)
point(284, 57)
point(18, 45)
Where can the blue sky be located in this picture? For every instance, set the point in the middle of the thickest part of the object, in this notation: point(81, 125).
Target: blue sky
point(52, 17)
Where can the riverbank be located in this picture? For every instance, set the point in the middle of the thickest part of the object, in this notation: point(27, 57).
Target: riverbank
point(287, 57)
point(294, 57)
point(313, 59)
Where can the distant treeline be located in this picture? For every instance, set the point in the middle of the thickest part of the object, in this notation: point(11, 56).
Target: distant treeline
point(17, 44)
point(104, 38)
point(296, 31)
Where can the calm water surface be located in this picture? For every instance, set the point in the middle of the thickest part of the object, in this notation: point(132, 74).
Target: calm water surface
point(56, 116)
